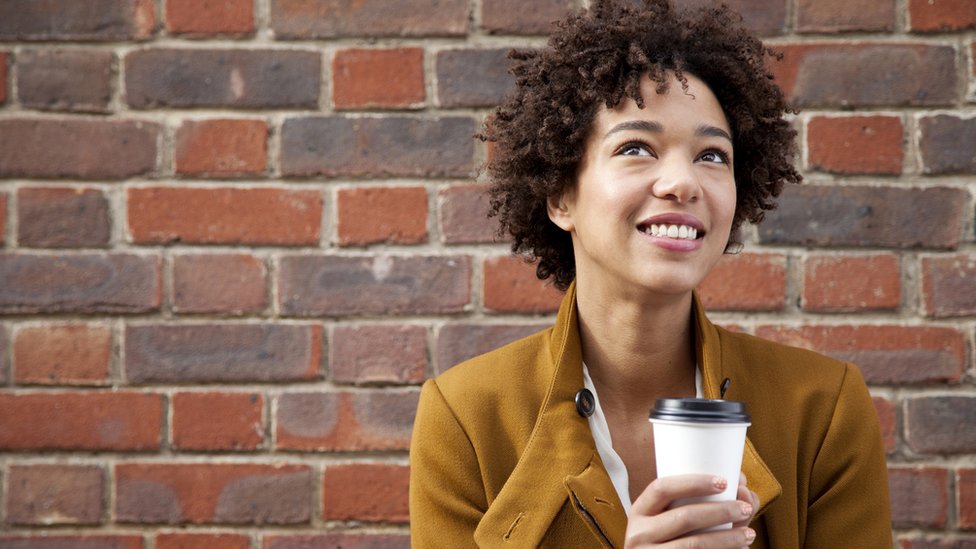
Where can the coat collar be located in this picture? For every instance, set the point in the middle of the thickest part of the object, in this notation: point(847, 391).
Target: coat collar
point(561, 449)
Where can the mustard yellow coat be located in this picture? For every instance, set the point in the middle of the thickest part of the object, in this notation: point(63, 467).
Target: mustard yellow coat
point(501, 458)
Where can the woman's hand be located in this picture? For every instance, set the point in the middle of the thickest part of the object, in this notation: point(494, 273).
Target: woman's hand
point(652, 522)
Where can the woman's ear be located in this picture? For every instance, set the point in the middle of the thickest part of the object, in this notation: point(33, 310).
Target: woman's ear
point(559, 212)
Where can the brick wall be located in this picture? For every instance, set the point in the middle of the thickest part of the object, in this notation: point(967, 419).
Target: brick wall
point(237, 235)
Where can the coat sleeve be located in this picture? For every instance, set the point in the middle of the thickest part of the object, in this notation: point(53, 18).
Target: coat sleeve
point(447, 496)
point(849, 505)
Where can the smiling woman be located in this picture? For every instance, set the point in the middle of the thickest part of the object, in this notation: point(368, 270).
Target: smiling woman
point(632, 150)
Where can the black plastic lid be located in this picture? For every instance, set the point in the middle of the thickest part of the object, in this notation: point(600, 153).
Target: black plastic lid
point(700, 410)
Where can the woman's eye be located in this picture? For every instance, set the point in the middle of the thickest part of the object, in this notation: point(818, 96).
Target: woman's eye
point(716, 157)
point(634, 149)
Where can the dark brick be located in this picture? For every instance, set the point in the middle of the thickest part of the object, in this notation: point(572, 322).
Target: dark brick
point(62, 218)
point(821, 215)
point(941, 144)
point(340, 285)
point(378, 353)
point(110, 421)
point(845, 15)
point(222, 353)
point(377, 147)
point(98, 20)
point(888, 421)
point(949, 285)
point(919, 496)
point(867, 74)
point(219, 283)
point(966, 488)
point(473, 78)
point(210, 17)
point(3, 77)
point(885, 354)
point(368, 492)
point(48, 541)
point(205, 493)
point(364, 420)
point(82, 149)
point(4, 355)
point(89, 283)
point(336, 541)
point(463, 215)
point(511, 17)
point(931, 542)
point(303, 19)
point(932, 424)
point(459, 342)
point(944, 15)
point(65, 80)
point(45, 495)
point(232, 78)
point(767, 17)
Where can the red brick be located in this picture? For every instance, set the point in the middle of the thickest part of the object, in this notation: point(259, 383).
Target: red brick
point(3, 77)
point(209, 493)
point(77, 149)
point(94, 20)
point(378, 353)
point(473, 77)
point(885, 353)
point(78, 80)
point(919, 496)
point(4, 355)
point(221, 148)
point(939, 144)
point(62, 217)
point(219, 283)
point(218, 421)
point(377, 147)
point(378, 78)
point(966, 487)
point(935, 424)
point(463, 215)
point(186, 540)
point(81, 283)
point(845, 15)
point(932, 542)
point(116, 421)
point(210, 17)
point(374, 215)
point(227, 353)
point(364, 285)
point(867, 74)
point(367, 492)
point(345, 421)
point(941, 15)
point(3, 217)
point(47, 541)
point(65, 354)
point(834, 215)
point(304, 19)
point(888, 418)
point(746, 282)
point(337, 541)
point(851, 283)
point(263, 216)
point(511, 286)
point(55, 494)
point(459, 342)
point(232, 78)
point(949, 285)
point(855, 144)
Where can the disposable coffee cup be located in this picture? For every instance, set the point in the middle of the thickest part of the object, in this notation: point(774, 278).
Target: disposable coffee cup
point(698, 435)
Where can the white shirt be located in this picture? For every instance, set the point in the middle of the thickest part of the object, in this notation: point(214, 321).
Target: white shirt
point(604, 445)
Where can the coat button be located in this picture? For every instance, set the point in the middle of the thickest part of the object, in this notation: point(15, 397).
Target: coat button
point(585, 403)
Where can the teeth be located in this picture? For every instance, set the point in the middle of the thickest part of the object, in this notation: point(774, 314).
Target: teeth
point(682, 232)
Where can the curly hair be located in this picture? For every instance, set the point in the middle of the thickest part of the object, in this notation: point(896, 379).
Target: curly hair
point(598, 57)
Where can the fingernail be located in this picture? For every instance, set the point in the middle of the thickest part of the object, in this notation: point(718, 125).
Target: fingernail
point(746, 508)
point(719, 483)
point(750, 535)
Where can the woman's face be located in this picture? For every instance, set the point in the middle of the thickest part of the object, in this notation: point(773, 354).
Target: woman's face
point(653, 203)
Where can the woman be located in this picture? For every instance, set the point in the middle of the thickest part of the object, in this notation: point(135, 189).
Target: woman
point(633, 148)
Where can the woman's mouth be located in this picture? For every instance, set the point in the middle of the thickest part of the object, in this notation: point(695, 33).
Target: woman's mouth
point(675, 232)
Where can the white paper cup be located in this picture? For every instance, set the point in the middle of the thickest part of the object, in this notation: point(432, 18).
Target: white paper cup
point(696, 435)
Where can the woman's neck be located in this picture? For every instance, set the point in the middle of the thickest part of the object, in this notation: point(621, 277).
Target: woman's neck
point(636, 349)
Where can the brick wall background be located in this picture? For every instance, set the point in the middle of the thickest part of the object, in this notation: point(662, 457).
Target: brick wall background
point(238, 234)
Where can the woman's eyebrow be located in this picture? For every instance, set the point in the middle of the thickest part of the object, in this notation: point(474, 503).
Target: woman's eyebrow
point(712, 131)
point(655, 127)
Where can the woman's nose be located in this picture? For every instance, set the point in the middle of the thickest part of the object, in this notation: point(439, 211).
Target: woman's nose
point(676, 180)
